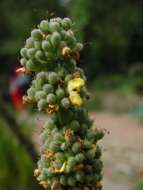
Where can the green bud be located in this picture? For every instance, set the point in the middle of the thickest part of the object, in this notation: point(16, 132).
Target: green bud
point(78, 47)
point(80, 177)
point(66, 23)
point(64, 146)
point(63, 180)
point(31, 52)
point(60, 93)
point(44, 26)
point(40, 95)
point(46, 45)
point(37, 45)
point(23, 61)
point(65, 102)
point(29, 43)
point(23, 52)
point(48, 88)
point(54, 26)
point(76, 148)
point(68, 77)
point(75, 125)
point(99, 134)
point(55, 39)
point(36, 34)
point(55, 146)
point(80, 157)
point(49, 124)
point(42, 104)
point(53, 78)
point(30, 65)
point(31, 93)
point(51, 98)
point(39, 55)
point(71, 181)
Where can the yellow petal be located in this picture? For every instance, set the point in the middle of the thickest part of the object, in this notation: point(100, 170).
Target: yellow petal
point(75, 99)
point(75, 83)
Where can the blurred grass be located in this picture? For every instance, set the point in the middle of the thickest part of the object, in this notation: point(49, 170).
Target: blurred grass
point(139, 186)
point(16, 168)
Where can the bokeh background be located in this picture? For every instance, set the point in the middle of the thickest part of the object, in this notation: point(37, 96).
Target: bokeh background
point(112, 33)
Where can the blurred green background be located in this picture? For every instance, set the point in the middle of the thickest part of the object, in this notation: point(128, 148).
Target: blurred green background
point(112, 33)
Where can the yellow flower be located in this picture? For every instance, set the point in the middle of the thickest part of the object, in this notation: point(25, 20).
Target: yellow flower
point(74, 87)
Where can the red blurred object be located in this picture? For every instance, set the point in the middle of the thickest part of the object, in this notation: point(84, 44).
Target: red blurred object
point(19, 84)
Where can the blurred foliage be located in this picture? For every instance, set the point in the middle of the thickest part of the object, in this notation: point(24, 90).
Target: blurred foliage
point(16, 168)
point(110, 30)
point(139, 186)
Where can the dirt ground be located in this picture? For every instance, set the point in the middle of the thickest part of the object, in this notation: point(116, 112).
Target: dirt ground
point(122, 149)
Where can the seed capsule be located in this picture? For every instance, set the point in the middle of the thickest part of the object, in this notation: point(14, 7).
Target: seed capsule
point(55, 39)
point(51, 98)
point(42, 104)
point(66, 23)
point(31, 52)
point(78, 47)
point(44, 26)
point(60, 93)
point(54, 26)
point(30, 43)
point(71, 181)
point(65, 102)
point(23, 52)
point(46, 45)
point(53, 78)
point(36, 34)
point(48, 88)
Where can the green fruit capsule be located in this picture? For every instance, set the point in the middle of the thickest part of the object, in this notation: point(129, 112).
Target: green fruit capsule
point(37, 45)
point(23, 52)
point(30, 65)
point(54, 26)
point(39, 55)
point(65, 103)
point(78, 47)
point(99, 135)
point(63, 180)
point(71, 162)
point(31, 93)
point(53, 78)
point(80, 157)
point(51, 98)
point(49, 124)
point(42, 104)
point(46, 45)
point(60, 156)
point(40, 95)
point(44, 26)
point(64, 146)
point(68, 77)
point(23, 61)
point(31, 52)
point(66, 23)
point(71, 181)
point(87, 144)
point(55, 39)
point(48, 88)
point(29, 43)
point(75, 125)
point(76, 148)
point(36, 35)
point(80, 177)
point(55, 146)
point(60, 93)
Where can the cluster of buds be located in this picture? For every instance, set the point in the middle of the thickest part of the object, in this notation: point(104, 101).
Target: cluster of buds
point(70, 156)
